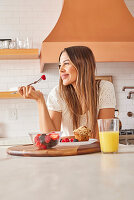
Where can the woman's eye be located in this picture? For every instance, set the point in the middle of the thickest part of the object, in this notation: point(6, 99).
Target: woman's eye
point(59, 66)
point(66, 63)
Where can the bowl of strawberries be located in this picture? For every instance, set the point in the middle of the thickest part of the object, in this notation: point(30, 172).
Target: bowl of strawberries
point(45, 140)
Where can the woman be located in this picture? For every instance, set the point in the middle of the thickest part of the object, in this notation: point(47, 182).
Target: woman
point(79, 100)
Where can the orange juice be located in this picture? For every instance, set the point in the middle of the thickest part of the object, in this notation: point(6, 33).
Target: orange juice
point(109, 141)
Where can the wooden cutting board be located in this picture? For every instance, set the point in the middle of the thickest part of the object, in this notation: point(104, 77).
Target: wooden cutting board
point(31, 150)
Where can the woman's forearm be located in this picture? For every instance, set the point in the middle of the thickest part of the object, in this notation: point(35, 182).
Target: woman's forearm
point(45, 121)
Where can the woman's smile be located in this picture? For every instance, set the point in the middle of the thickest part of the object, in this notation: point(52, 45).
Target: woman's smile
point(64, 76)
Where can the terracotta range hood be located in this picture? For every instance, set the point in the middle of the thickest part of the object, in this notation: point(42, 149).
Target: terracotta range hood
point(106, 26)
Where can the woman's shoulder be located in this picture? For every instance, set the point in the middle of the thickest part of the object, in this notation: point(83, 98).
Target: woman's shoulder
point(106, 95)
point(54, 91)
point(55, 94)
point(105, 83)
point(105, 86)
point(54, 101)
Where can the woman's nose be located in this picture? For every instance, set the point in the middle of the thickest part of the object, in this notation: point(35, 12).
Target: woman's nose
point(62, 68)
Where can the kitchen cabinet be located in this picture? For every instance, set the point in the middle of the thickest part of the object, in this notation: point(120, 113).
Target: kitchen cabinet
point(14, 54)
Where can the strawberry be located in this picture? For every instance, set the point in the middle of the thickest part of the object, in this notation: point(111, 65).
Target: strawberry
point(42, 146)
point(38, 144)
point(36, 138)
point(54, 136)
point(63, 140)
point(47, 138)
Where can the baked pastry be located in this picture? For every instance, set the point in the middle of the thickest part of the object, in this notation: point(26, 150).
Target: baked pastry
point(82, 133)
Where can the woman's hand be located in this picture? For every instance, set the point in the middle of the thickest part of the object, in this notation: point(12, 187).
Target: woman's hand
point(29, 92)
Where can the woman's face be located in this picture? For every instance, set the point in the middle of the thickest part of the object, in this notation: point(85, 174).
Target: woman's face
point(68, 71)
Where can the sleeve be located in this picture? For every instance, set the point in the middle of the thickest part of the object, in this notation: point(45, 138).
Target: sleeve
point(106, 95)
point(54, 100)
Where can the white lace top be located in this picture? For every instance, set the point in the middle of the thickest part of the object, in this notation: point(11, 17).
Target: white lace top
point(56, 103)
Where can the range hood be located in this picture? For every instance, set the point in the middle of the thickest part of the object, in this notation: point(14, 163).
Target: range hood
point(106, 26)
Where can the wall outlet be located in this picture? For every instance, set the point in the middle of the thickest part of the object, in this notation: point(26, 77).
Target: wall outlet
point(12, 114)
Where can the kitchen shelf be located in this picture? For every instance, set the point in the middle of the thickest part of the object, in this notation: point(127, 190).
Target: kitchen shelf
point(9, 95)
point(14, 54)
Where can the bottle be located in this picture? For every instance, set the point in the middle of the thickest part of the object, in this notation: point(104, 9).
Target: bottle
point(116, 114)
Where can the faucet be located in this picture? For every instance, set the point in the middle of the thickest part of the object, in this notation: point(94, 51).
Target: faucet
point(129, 94)
point(127, 87)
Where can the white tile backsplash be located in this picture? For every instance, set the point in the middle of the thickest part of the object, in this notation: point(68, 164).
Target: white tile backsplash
point(36, 19)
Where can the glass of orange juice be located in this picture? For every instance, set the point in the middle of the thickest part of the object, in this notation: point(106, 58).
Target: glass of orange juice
point(109, 135)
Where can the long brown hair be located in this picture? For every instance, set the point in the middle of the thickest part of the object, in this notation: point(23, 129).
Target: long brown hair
point(83, 59)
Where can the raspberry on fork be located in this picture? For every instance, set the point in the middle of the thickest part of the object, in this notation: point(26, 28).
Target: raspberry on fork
point(43, 77)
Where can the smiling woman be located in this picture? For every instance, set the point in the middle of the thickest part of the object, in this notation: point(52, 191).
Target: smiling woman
point(79, 100)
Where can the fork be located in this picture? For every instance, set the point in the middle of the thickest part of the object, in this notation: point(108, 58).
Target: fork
point(43, 77)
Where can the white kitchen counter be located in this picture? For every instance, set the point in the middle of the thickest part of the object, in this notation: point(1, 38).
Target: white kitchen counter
point(83, 177)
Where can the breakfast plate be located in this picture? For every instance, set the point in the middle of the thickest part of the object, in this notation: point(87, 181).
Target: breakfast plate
point(90, 141)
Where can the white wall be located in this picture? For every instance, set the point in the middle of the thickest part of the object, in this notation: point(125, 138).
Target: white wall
point(130, 5)
point(35, 19)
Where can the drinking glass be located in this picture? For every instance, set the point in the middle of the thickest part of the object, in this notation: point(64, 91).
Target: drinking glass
point(24, 43)
point(28, 43)
point(109, 135)
point(1, 45)
point(12, 44)
point(6, 44)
